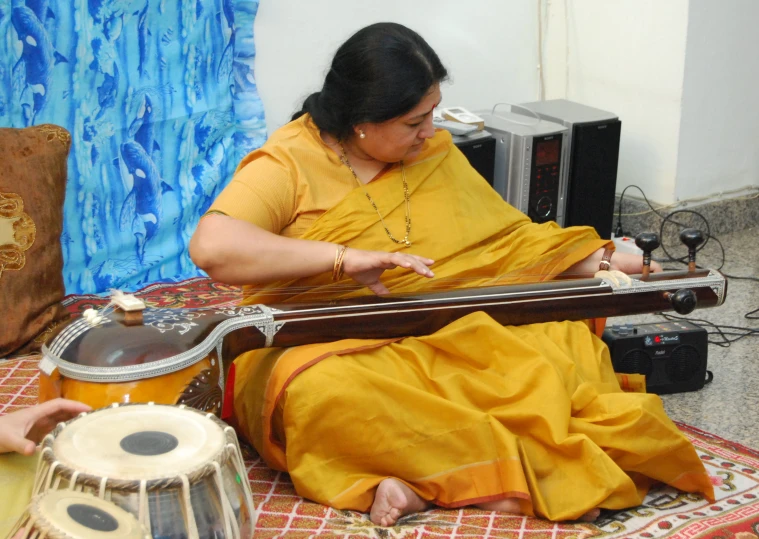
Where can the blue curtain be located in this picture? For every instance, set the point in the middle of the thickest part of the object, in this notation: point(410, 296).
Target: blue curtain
point(160, 99)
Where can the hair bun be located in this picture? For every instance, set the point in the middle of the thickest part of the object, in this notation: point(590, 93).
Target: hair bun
point(381, 72)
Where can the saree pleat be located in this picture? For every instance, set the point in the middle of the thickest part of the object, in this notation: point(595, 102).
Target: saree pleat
point(477, 411)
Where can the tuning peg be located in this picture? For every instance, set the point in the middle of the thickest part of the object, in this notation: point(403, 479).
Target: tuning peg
point(683, 301)
point(646, 242)
point(692, 238)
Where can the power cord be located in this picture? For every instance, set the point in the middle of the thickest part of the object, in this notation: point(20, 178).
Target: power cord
point(726, 334)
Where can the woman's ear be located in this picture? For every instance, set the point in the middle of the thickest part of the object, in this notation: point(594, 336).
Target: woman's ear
point(359, 131)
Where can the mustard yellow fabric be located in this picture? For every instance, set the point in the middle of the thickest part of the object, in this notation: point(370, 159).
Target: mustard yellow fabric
point(475, 412)
point(16, 484)
point(285, 185)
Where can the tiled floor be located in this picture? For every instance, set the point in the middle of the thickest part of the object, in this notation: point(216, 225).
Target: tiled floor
point(729, 405)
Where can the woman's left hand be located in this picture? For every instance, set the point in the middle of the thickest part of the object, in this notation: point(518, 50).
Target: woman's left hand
point(22, 430)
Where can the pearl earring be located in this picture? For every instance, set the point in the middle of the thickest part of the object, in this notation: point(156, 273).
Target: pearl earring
point(361, 134)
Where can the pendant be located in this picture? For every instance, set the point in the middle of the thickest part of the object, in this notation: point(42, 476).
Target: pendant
point(408, 243)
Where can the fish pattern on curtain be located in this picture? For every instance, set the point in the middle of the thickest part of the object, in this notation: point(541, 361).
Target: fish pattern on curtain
point(160, 99)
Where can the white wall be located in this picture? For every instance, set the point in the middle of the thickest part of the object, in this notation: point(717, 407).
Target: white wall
point(681, 74)
point(719, 140)
point(488, 46)
point(626, 57)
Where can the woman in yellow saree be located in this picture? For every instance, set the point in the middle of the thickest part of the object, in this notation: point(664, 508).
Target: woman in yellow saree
point(525, 419)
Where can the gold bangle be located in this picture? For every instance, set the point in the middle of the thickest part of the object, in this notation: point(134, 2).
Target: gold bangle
point(606, 260)
point(340, 263)
point(334, 264)
point(337, 269)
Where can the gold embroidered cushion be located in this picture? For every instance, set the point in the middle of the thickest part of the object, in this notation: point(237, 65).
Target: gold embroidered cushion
point(32, 190)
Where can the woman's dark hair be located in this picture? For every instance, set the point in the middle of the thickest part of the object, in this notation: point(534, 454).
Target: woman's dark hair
point(381, 72)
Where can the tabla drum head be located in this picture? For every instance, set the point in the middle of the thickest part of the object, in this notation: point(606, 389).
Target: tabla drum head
point(82, 516)
point(139, 442)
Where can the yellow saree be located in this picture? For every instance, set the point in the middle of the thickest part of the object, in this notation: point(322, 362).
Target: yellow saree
point(477, 411)
point(17, 480)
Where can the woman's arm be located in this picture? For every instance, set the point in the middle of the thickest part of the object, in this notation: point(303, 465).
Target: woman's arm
point(237, 252)
point(624, 262)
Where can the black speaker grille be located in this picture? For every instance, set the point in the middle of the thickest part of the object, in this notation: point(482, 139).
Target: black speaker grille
point(683, 364)
point(635, 362)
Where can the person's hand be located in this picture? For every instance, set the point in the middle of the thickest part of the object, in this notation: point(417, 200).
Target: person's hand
point(366, 267)
point(22, 430)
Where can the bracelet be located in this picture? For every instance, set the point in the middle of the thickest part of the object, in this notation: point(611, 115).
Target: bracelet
point(337, 269)
point(605, 264)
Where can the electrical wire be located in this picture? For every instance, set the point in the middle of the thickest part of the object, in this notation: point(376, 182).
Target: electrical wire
point(725, 334)
point(723, 331)
point(694, 199)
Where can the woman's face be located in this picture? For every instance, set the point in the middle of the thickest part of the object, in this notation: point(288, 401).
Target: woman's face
point(403, 137)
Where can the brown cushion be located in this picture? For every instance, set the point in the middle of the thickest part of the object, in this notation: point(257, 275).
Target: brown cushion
point(32, 190)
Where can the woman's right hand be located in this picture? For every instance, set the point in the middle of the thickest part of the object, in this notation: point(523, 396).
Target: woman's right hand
point(22, 430)
point(366, 267)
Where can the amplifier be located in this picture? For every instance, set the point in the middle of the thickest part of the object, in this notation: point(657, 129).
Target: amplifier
point(529, 163)
point(672, 355)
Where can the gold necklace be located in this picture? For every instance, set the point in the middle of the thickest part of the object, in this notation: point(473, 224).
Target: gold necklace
point(405, 241)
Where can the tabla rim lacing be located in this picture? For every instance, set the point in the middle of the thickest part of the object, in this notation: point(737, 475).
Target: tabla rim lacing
point(228, 449)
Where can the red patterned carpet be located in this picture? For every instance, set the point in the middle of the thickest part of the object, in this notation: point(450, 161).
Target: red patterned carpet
point(666, 513)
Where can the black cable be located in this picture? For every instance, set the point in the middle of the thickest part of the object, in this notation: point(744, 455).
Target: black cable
point(619, 213)
point(665, 219)
point(718, 330)
point(708, 235)
point(668, 218)
point(740, 277)
point(619, 231)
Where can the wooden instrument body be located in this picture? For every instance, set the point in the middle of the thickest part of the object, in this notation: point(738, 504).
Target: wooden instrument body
point(183, 355)
point(196, 385)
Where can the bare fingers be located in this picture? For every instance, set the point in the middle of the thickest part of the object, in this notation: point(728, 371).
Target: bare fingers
point(45, 416)
point(58, 410)
point(419, 264)
point(19, 444)
point(378, 288)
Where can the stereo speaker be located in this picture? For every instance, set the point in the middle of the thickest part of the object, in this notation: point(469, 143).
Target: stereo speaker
point(479, 149)
point(592, 156)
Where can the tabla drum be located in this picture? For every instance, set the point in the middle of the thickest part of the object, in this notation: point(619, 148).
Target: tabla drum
point(66, 514)
point(178, 470)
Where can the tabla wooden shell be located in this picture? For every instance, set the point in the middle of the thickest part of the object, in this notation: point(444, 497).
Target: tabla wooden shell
point(66, 514)
point(178, 470)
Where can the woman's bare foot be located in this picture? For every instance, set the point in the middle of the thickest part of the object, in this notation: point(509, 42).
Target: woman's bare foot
point(591, 515)
point(507, 505)
point(511, 505)
point(394, 500)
